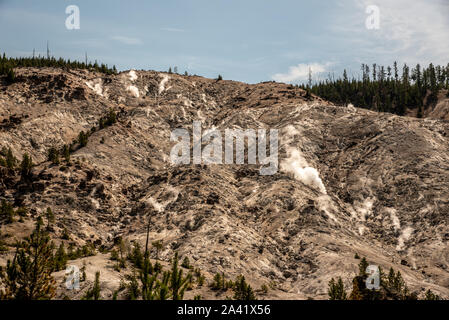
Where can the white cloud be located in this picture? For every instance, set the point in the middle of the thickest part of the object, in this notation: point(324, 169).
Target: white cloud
point(301, 72)
point(127, 40)
point(410, 31)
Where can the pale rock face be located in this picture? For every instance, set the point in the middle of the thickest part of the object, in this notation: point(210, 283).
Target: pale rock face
point(134, 91)
point(350, 180)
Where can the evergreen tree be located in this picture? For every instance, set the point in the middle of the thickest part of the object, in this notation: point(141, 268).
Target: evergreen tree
point(7, 211)
point(60, 261)
point(25, 167)
point(242, 290)
point(336, 290)
point(94, 292)
point(158, 246)
point(431, 296)
point(357, 286)
point(66, 153)
point(53, 155)
point(384, 92)
point(82, 139)
point(28, 275)
point(178, 283)
point(10, 159)
point(50, 217)
point(362, 267)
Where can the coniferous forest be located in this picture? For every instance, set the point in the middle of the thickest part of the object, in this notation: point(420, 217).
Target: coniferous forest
point(386, 89)
point(7, 65)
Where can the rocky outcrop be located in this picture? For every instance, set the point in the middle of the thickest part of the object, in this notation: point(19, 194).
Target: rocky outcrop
point(349, 181)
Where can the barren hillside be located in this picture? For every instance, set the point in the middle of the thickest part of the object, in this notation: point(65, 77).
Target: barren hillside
point(349, 181)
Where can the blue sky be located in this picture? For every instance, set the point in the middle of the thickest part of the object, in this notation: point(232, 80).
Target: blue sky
point(245, 40)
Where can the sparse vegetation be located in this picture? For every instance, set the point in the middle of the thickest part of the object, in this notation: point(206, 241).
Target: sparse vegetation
point(7, 65)
point(3, 247)
point(336, 290)
point(60, 259)
point(25, 167)
point(9, 161)
point(7, 212)
point(136, 256)
point(50, 218)
point(94, 292)
point(82, 139)
point(158, 246)
point(392, 287)
point(186, 263)
point(242, 290)
point(178, 283)
point(53, 155)
point(66, 153)
point(431, 296)
point(28, 275)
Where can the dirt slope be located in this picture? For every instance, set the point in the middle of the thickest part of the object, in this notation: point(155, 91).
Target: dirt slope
point(349, 181)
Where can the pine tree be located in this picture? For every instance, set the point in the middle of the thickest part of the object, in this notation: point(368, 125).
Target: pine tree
point(242, 290)
point(217, 282)
point(178, 283)
point(336, 290)
point(66, 153)
point(162, 291)
point(158, 246)
point(94, 292)
point(396, 72)
point(133, 288)
point(28, 275)
point(60, 261)
point(186, 263)
point(136, 256)
point(53, 155)
point(82, 139)
point(7, 211)
point(10, 159)
point(50, 217)
point(431, 296)
point(362, 267)
point(357, 287)
point(25, 167)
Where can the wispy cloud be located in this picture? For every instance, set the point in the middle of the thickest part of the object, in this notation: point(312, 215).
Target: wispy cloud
point(127, 40)
point(300, 72)
point(410, 30)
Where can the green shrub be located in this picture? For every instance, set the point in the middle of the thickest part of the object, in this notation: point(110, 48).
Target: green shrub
point(82, 139)
point(336, 290)
point(7, 211)
point(53, 155)
point(186, 263)
point(94, 292)
point(66, 153)
point(10, 159)
point(25, 166)
point(242, 290)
